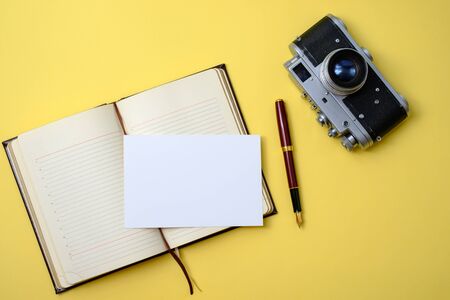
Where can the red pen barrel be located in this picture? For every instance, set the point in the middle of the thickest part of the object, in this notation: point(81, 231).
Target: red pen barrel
point(283, 126)
point(286, 145)
point(290, 169)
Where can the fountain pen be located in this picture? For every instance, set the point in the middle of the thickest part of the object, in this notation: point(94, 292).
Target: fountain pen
point(286, 146)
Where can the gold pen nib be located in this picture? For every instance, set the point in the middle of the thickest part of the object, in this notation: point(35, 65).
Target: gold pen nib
point(298, 216)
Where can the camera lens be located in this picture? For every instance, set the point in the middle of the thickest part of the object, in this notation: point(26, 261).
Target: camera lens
point(344, 71)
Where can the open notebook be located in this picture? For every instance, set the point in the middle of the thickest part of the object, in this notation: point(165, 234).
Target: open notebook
point(70, 174)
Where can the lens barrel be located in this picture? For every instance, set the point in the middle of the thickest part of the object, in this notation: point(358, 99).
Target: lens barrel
point(343, 71)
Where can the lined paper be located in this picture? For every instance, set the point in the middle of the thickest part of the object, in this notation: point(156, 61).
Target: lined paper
point(77, 170)
point(203, 117)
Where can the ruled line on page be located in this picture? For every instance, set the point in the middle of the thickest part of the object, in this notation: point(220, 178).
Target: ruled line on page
point(114, 225)
point(84, 151)
point(82, 182)
point(112, 248)
point(58, 196)
point(101, 222)
point(79, 175)
point(92, 236)
point(176, 233)
point(194, 127)
point(94, 213)
point(77, 252)
point(89, 202)
point(145, 244)
point(58, 192)
point(72, 165)
point(109, 251)
point(95, 210)
point(60, 174)
point(87, 159)
point(210, 121)
point(64, 209)
point(168, 114)
point(106, 236)
point(215, 131)
point(74, 146)
point(75, 190)
point(183, 118)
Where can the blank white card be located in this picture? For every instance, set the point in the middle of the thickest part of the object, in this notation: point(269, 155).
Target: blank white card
point(192, 181)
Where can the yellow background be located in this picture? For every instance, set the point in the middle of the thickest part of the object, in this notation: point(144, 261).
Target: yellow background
point(376, 222)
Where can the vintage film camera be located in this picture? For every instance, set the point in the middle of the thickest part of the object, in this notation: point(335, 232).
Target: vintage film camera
point(340, 81)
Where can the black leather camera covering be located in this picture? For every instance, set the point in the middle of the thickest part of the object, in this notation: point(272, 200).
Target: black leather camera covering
point(318, 41)
point(379, 118)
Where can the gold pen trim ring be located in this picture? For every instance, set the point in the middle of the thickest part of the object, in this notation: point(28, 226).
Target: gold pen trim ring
point(287, 148)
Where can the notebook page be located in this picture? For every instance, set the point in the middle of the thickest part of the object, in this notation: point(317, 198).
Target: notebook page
point(76, 169)
point(23, 180)
point(192, 105)
point(196, 104)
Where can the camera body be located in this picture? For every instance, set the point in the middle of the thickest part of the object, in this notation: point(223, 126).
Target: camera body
point(341, 82)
